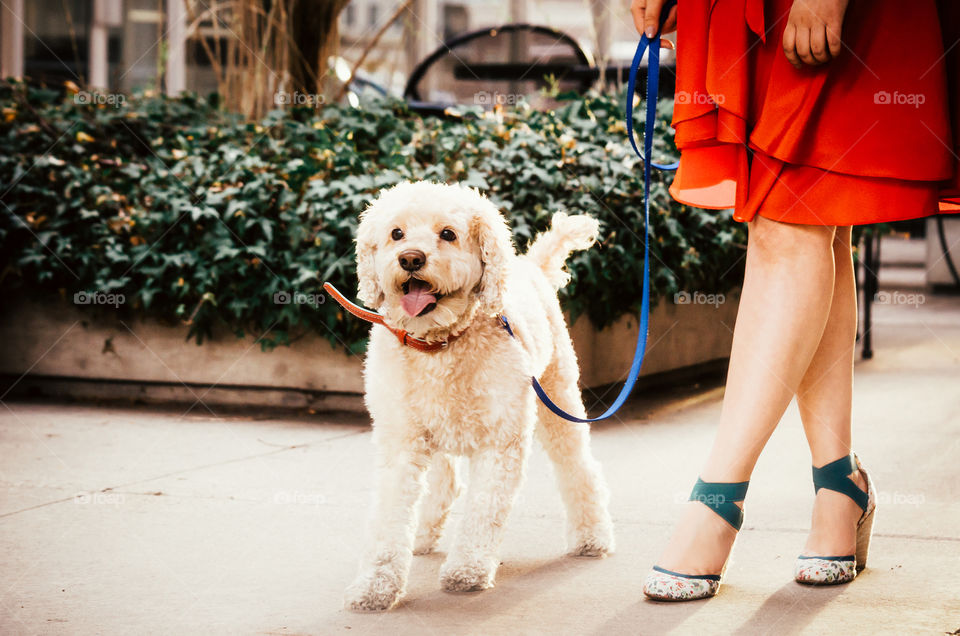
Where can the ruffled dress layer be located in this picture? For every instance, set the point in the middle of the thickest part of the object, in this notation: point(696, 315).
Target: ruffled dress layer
point(871, 136)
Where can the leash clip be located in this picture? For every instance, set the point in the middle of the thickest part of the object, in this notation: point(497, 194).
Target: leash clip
point(506, 325)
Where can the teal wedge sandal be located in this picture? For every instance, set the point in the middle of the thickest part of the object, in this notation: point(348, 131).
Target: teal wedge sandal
point(664, 585)
point(834, 570)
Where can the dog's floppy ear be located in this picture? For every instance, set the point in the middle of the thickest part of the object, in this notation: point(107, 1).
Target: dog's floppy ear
point(369, 290)
point(496, 250)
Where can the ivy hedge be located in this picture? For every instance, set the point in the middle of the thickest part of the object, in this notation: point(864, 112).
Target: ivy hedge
point(191, 215)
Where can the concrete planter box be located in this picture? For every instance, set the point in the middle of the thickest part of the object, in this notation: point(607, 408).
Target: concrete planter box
point(681, 337)
point(57, 349)
point(938, 272)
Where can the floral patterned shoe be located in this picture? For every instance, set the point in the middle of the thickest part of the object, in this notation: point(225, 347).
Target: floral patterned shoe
point(834, 570)
point(664, 585)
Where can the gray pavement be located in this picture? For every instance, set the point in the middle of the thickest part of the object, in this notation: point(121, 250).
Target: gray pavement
point(133, 521)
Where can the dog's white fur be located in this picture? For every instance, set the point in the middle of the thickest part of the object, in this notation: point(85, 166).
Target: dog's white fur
point(473, 398)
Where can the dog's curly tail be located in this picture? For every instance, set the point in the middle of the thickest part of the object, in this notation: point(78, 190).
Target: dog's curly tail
point(551, 249)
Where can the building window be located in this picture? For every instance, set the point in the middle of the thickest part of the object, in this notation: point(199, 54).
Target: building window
point(456, 20)
point(56, 40)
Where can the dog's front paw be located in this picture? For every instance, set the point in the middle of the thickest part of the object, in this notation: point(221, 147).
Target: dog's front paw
point(375, 592)
point(468, 574)
point(595, 542)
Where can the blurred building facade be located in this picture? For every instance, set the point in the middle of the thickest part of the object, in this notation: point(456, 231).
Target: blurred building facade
point(153, 44)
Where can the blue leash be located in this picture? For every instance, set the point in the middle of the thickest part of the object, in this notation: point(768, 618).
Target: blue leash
point(653, 77)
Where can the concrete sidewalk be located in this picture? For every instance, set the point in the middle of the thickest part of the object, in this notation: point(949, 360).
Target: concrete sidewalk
point(118, 521)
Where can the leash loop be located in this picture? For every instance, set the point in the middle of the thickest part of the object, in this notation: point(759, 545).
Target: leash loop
point(651, 45)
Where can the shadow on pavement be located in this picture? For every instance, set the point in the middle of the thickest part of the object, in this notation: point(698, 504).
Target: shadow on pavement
point(790, 609)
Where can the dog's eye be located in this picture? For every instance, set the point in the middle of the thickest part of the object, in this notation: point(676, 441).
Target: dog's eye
point(448, 235)
point(397, 234)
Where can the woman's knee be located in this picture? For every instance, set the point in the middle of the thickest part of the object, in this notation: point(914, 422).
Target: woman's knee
point(841, 239)
point(774, 241)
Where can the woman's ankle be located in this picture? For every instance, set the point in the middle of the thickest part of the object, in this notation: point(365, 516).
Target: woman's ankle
point(827, 454)
point(726, 471)
point(701, 542)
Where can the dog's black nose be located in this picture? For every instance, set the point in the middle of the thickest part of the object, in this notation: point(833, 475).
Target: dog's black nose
point(412, 260)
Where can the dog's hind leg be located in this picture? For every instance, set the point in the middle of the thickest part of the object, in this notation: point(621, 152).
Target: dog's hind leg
point(582, 487)
point(442, 490)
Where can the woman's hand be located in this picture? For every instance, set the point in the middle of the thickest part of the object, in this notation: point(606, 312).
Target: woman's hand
point(813, 28)
point(646, 17)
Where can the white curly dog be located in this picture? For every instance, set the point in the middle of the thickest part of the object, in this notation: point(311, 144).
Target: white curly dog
point(438, 263)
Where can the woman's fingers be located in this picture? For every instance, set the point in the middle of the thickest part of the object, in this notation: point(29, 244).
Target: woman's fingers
point(833, 39)
point(790, 45)
point(646, 17)
point(803, 46)
point(638, 11)
point(651, 18)
point(670, 25)
point(818, 45)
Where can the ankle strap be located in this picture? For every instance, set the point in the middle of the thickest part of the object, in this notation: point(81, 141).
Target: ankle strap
point(721, 498)
point(835, 476)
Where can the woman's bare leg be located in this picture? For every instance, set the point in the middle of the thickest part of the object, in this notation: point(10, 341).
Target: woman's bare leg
point(825, 398)
point(787, 290)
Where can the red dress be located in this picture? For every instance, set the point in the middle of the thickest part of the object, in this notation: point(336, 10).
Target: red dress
point(869, 137)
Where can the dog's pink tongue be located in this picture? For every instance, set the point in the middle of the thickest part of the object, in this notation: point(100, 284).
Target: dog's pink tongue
point(417, 298)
